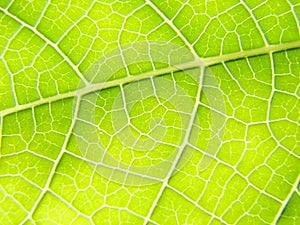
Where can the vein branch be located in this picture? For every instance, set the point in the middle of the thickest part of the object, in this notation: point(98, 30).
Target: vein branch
point(90, 88)
point(286, 201)
point(46, 40)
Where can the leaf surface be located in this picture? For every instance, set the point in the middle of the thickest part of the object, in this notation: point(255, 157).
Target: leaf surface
point(235, 130)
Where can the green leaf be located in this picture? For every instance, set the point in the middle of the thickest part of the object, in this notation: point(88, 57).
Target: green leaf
point(149, 112)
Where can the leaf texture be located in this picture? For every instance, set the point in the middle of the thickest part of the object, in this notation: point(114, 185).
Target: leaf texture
point(230, 113)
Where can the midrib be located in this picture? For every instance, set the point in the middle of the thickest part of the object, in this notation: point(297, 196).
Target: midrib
point(254, 52)
point(189, 65)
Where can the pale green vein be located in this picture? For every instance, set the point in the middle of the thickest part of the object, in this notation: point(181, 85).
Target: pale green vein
point(46, 40)
point(198, 62)
point(286, 200)
point(58, 159)
point(254, 52)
